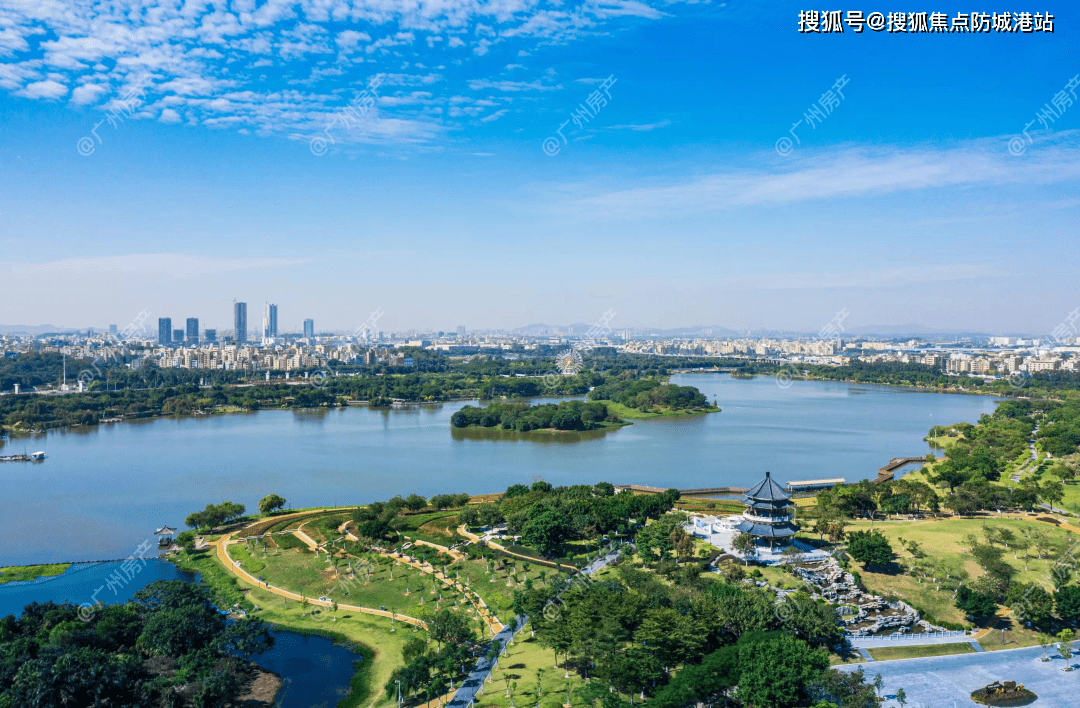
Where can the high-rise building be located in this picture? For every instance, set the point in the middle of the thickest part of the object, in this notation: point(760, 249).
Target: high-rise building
point(240, 322)
point(209, 335)
point(309, 328)
point(269, 321)
point(178, 336)
point(193, 329)
point(164, 330)
point(461, 331)
point(112, 329)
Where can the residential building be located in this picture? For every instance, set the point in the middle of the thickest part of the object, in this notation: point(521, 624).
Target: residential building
point(164, 329)
point(270, 321)
point(240, 322)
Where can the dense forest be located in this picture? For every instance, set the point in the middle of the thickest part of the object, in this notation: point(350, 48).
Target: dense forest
point(649, 394)
point(521, 417)
point(168, 647)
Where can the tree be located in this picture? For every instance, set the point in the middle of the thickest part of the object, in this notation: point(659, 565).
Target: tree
point(869, 548)
point(975, 603)
point(1051, 493)
point(270, 503)
point(1030, 602)
point(415, 502)
point(1065, 647)
point(669, 636)
point(777, 672)
point(745, 544)
point(1067, 603)
point(901, 697)
point(547, 531)
point(449, 627)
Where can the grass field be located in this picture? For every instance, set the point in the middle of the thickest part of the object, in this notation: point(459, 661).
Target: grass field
point(634, 414)
point(518, 671)
point(30, 572)
point(944, 539)
point(380, 648)
point(887, 653)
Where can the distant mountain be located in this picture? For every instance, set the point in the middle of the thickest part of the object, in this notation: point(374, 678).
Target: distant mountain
point(911, 330)
point(37, 329)
point(580, 329)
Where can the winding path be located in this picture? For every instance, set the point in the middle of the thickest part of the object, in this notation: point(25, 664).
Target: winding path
point(222, 545)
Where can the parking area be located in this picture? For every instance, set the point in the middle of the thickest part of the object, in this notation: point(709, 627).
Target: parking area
point(947, 681)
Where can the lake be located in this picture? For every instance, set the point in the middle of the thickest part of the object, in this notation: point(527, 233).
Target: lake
point(103, 490)
point(314, 672)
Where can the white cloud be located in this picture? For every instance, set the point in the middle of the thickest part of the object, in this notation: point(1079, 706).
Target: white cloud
point(44, 89)
point(494, 116)
point(87, 93)
point(198, 51)
point(642, 127)
point(511, 86)
point(846, 174)
point(168, 115)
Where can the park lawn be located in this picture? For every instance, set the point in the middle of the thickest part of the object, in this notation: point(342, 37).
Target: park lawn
point(943, 539)
point(1071, 500)
point(311, 576)
point(224, 585)
point(1016, 636)
point(440, 528)
point(635, 414)
point(16, 573)
point(380, 647)
point(711, 507)
point(777, 577)
point(914, 652)
point(520, 665)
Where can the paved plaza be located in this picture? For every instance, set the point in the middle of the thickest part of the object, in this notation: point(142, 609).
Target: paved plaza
point(947, 681)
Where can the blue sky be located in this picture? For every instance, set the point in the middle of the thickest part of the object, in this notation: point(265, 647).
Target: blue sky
point(673, 204)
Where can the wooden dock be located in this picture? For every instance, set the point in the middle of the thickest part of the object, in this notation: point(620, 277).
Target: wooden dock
point(885, 474)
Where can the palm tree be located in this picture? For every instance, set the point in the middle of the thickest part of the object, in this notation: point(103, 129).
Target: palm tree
point(333, 606)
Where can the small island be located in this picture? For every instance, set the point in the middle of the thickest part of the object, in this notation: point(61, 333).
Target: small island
point(609, 405)
point(649, 398)
point(567, 416)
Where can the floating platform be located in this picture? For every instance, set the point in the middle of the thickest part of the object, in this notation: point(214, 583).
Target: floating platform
point(32, 457)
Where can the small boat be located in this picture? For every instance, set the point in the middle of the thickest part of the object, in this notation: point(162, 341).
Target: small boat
point(39, 455)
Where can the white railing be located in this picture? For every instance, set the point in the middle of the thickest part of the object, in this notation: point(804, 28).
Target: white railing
point(897, 636)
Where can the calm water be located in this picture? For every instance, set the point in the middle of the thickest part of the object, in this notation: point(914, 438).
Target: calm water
point(84, 583)
point(314, 672)
point(102, 491)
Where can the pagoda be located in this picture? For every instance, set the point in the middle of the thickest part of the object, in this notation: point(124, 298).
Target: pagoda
point(768, 515)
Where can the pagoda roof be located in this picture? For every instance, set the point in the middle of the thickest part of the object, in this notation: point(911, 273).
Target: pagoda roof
point(165, 531)
point(784, 530)
point(767, 490)
point(777, 505)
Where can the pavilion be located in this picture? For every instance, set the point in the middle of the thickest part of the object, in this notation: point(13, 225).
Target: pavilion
point(165, 535)
point(768, 515)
